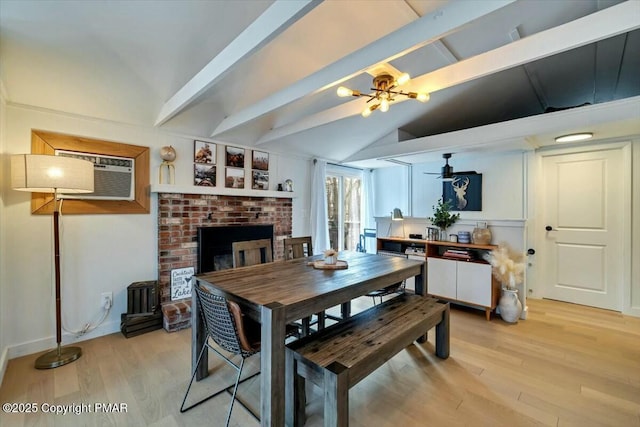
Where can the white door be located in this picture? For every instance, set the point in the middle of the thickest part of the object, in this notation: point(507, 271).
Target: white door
point(583, 220)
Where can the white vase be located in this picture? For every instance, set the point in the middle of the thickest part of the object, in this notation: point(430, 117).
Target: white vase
point(510, 306)
point(331, 260)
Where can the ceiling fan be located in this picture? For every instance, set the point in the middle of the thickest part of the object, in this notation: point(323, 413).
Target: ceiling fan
point(447, 172)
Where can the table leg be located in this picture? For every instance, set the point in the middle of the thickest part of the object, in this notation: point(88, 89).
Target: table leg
point(198, 337)
point(272, 365)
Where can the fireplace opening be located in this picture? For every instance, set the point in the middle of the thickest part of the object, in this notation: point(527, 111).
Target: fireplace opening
point(214, 244)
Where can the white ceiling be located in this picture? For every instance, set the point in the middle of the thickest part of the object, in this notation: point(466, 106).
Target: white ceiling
point(263, 74)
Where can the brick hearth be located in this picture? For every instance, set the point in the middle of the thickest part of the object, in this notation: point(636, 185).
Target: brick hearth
point(180, 215)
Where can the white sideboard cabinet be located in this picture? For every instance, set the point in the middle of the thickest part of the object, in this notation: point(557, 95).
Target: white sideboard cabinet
point(457, 272)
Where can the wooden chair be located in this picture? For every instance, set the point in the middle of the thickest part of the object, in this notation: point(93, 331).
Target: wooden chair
point(251, 252)
point(297, 247)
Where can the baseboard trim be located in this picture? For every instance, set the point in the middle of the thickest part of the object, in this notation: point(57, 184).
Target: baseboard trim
point(47, 343)
point(4, 360)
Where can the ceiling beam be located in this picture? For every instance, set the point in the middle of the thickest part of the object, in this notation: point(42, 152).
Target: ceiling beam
point(277, 18)
point(402, 41)
point(507, 133)
point(600, 25)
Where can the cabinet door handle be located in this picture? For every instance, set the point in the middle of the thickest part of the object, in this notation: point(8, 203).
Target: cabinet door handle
point(531, 251)
point(548, 228)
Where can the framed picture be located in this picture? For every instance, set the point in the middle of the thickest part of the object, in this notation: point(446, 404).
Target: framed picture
point(204, 175)
point(204, 152)
point(235, 157)
point(260, 161)
point(234, 178)
point(260, 180)
point(464, 192)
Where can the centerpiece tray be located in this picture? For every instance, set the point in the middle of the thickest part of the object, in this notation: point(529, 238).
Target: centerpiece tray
point(321, 265)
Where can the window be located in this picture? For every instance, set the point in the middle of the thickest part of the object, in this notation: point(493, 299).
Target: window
point(344, 206)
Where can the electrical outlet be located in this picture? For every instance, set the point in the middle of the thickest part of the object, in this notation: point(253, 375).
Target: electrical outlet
point(106, 300)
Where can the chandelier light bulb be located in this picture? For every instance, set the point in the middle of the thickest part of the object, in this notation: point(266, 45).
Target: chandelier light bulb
point(344, 91)
point(384, 105)
point(384, 92)
point(423, 97)
point(402, 79)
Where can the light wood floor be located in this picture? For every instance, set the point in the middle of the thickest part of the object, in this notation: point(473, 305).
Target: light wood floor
point(566, 365)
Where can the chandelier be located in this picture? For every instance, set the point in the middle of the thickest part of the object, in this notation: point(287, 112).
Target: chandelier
point(384, 86)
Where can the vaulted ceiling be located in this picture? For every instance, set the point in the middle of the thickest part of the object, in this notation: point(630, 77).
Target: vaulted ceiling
point(263, 74)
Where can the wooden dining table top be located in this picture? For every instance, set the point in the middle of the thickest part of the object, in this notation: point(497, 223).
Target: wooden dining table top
point(303, 289)
point(280, 292)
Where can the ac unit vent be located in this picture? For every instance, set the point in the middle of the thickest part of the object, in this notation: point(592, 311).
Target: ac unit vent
point(114, 177)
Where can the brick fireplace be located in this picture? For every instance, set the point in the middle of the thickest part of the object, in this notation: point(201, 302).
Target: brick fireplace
point(180, 215)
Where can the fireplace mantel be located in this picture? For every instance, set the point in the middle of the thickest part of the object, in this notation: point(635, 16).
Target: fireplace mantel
point(221, 191)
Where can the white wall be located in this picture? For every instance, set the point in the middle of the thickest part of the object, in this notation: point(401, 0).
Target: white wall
point(503, 177)
point(510, 195)
point(99, 253)
point(3, 318)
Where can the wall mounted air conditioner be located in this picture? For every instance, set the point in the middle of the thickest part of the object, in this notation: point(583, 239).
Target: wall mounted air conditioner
point(114, 177)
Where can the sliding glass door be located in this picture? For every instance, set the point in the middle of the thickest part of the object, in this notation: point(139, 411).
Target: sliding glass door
point(344, 207)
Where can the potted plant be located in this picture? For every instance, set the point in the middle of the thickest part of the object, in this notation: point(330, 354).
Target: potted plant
point(508, 267)
point(442, 217)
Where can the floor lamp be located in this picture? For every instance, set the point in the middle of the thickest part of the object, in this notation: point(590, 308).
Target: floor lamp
point(38, 173)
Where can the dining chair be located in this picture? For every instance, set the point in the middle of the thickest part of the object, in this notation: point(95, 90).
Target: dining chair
point(233, 332)
point(251, 252)
point(297, 247)
point(225, 325)
point(396, 288)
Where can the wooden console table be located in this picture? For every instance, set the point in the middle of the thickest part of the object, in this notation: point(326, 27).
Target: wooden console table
point(459, 280)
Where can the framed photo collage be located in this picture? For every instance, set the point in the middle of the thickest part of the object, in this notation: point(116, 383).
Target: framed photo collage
point(205, 167)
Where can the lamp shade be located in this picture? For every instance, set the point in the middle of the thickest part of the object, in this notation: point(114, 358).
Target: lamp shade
point(396, 215)
point(42, 173)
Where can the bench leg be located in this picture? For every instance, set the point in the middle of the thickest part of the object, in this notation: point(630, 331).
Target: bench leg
point(336, 396)
point(442, 335)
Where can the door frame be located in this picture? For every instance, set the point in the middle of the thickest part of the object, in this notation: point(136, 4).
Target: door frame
point(536, 234)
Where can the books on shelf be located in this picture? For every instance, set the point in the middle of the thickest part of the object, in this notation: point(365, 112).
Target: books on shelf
point(458, 254)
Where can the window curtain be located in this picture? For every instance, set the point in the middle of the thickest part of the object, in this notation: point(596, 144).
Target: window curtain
point(368, 219)
point(319, 220)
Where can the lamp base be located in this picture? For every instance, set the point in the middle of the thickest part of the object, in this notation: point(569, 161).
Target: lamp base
point(58, 357)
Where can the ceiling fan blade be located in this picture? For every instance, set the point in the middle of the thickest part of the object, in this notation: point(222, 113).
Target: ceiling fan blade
point(465, 173)
point(432, 173)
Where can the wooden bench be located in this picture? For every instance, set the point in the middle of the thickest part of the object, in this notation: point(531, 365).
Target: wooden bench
point(340, 356)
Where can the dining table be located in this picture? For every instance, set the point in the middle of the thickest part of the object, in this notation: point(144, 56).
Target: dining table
point(282, 292)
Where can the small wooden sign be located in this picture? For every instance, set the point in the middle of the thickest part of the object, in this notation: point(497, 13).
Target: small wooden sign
point(181, 282)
